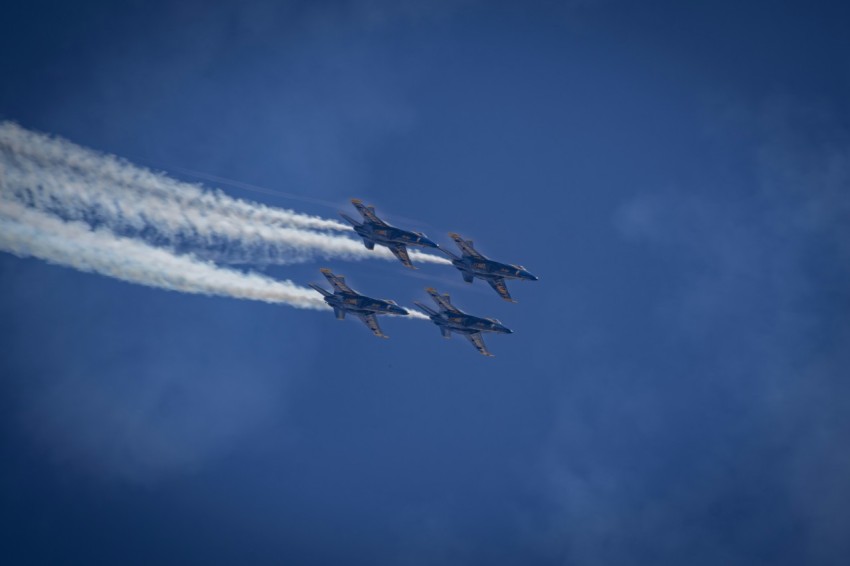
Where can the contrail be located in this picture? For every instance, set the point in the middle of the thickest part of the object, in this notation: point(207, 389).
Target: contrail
point(30, 233)
point(75, 183)
point(117, 175)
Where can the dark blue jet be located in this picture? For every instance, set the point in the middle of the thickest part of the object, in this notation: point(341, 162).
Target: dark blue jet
point(473, 264)
point(344, 299)
point(452, 319)
point(373, 230)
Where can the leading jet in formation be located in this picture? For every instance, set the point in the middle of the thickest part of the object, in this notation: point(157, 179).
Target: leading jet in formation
point(373, 230)
point(451, 319)
point(344, 299)
point(473, 264)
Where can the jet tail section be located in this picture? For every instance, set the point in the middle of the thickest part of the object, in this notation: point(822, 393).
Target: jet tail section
point(324, 292)
point(466, 246)
point(426, 309)
point(448, 253)
point(443, 301)
point(349, 219)
point(367, 212)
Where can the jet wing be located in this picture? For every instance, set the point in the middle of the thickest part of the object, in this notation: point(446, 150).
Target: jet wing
point(337, 281)
point(465, 246)
point(371, 321)
point(478, 342)
point(499, 285)
point(444, 301)
point(400, 251)
point(368, 212)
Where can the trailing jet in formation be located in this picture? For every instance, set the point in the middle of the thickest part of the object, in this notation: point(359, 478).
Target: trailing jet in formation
point(373, 230)
point(344, 299)
point(473, 264)
point(451, 319)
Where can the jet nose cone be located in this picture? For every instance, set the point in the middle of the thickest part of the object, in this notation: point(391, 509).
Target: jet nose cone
point(506, 330)
point(425, 241)
point(398, 310)
point(529, 276)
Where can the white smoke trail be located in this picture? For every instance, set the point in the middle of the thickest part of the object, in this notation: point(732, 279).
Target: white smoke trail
point(416, 315)
point(54, 153)
point(26, 232)
point(29, 233)
point(60, 177)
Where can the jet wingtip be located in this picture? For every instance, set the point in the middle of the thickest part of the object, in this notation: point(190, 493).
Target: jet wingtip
point(356, 201)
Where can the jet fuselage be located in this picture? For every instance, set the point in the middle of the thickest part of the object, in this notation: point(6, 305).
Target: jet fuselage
point(487, 269)
point(391, 235)
point(468, 324)
point(360, 304)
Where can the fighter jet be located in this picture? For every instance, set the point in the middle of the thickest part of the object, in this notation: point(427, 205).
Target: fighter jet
point(344, 299)
point(451, 319)
point(473, 264)
point(373, 230)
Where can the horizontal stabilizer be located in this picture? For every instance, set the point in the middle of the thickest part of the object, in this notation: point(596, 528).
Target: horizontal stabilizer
point(425, 308)
point(349, 219)
point(451, 255)
point(324, 292)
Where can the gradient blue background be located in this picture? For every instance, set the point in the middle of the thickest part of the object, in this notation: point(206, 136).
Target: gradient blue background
point(676, 390)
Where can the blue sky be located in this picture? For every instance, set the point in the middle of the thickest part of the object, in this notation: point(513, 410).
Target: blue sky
point(675, 390)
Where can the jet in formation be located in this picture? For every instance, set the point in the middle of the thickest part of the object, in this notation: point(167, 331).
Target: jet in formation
point(344, 299)
point(373, 230)
point(472, 264)
point(451, 319)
